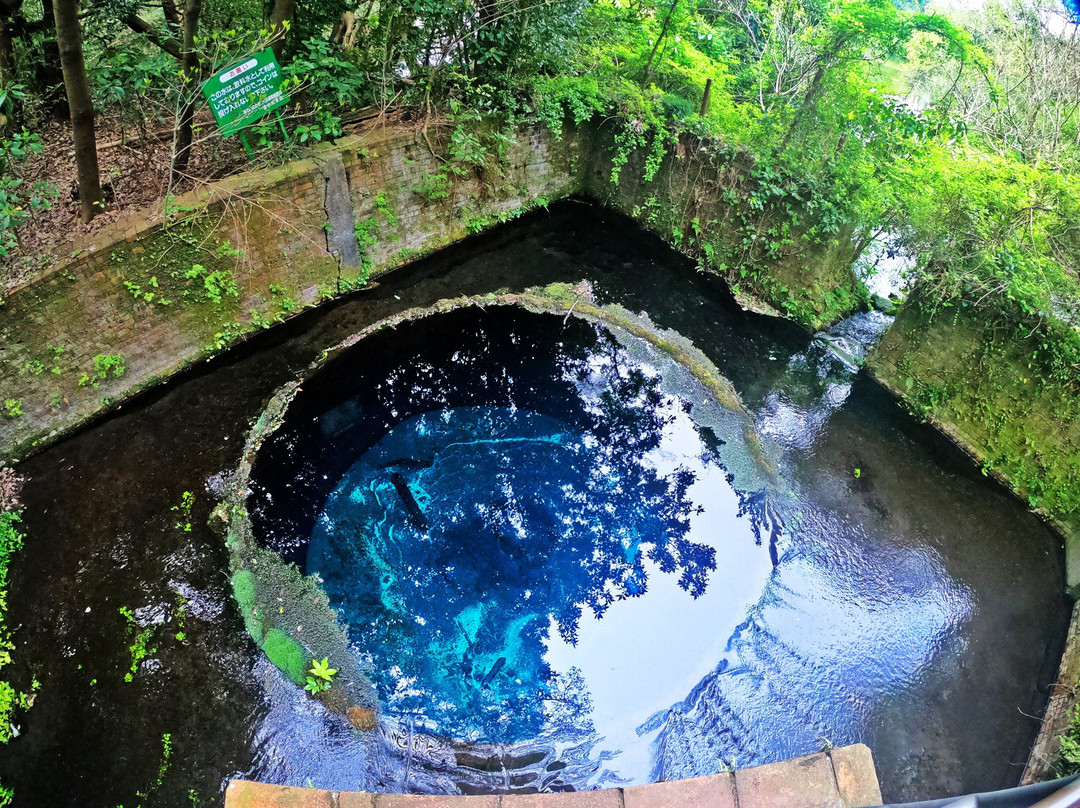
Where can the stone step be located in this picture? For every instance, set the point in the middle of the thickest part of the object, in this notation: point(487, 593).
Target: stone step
point(840, 778)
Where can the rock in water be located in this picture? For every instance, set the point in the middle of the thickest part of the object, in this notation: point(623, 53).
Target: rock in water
point(361, 719)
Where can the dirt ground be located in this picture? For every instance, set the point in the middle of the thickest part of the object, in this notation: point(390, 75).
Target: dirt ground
point(133, 162)
point(134, 170)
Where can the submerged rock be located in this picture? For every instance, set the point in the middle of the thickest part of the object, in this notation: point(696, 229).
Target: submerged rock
point(361, 719)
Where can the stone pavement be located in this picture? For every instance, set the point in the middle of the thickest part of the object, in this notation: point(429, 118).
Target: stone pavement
point(839, 778)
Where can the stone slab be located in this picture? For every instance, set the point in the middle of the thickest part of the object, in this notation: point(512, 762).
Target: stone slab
point(856, 776)
point(805, 782)
point(841, 778)
point(248, 794)
point(435, 801)
point(606, 798)
point(715, 791)
point(355, 799)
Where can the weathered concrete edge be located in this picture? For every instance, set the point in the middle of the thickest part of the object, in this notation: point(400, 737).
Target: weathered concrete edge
point(205, 200)
point(840, 778)
point(1064, 697)
point(1066, 689)
point(231, 519)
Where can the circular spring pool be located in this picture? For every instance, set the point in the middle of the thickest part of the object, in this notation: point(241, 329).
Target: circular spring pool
point(567, 556)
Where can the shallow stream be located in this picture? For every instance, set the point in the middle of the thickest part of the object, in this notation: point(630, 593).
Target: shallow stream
point(689, 610)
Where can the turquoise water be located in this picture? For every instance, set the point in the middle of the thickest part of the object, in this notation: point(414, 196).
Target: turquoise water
point(916, 607)
point(554, 546)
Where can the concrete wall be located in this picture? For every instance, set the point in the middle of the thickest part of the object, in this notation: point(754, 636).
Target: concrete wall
point(698, 201)
point(147, 290)
point(981, 385)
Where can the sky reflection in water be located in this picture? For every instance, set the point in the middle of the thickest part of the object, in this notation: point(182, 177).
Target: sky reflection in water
point(623, 598)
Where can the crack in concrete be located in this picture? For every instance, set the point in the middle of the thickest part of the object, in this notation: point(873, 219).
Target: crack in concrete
point(340, 218)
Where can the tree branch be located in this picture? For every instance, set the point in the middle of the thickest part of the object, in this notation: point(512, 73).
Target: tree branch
point(141, 26)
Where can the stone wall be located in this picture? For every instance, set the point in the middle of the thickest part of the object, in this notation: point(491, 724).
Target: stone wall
point(983, 386)
point(149, 295)
point(694, 201)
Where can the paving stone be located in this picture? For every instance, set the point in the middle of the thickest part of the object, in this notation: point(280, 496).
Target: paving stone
point(856, 776)
point(246, 794)
point(715, 791)
point(355, 799)
point(805, 782)
point(435, 801)
point(605, 798)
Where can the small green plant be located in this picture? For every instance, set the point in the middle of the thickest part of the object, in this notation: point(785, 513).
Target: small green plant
point(857, 473)
point(320, 676)
point(435, 186)
point(166, 755)
point(11, 541)
point(18, 203)
point(139, 293)
point(180, 613)
point(216, 285)
point(57, 351)
point(367, 231)
point(139, 639)
point(13, 408)
point(187, 500)
point(104, 364)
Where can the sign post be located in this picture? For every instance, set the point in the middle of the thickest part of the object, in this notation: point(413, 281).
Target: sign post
point(243, 93)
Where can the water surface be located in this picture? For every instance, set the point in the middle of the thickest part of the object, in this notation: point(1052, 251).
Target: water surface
point(916, 542)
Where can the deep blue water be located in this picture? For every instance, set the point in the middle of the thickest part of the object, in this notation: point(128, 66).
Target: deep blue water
point(914, 606)
point(551, 545)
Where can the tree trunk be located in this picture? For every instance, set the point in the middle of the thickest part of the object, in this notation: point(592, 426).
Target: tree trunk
point(282, 14)
point(139, 25)
point(48, 73)
point(6, 49)
point(7, 64)
point(69, 39)
point(659, 39)
point(190, 98)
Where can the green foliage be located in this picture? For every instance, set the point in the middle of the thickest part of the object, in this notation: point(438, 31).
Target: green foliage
point(11, 541)
point(287, 655)
point(104, 364)
point(433, 187)
point(19, 204)
point(146, 295)
point(129, 76)
point(368, 229)
point(216, 284)
point(320, 676)
point(183, 511)
point(13, 408)
point(139, 639)
point(1068, 762)
point(998, 234)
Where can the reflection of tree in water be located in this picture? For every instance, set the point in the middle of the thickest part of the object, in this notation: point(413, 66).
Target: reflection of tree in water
point(530, 522)
point(630, 413)
point(764, 518)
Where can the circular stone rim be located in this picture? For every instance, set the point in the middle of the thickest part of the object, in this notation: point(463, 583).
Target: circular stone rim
point(252, 566)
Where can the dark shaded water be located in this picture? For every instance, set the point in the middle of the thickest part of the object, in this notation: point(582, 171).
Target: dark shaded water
point(915, 543)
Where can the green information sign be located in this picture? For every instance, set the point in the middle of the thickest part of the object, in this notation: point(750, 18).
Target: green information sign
point(243, 93)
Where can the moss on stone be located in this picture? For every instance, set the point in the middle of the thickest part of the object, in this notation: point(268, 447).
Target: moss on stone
point(286, 654)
